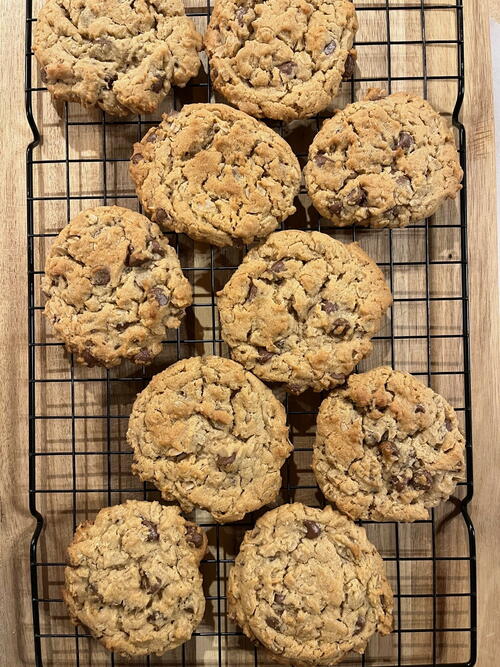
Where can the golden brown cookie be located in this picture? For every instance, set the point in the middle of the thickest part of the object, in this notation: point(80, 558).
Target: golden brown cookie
point(309, 587)
point(387, 448)
point(114, 287)
point(120, 55)
point(133, 578)
point(280, 59)
point(209, 434)
point(386, 161)
point(215, 174)
point(301, 309)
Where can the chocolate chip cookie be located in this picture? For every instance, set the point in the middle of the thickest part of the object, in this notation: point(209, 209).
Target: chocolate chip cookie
point(114, 287)
point(383, 162)
point(309, 587)
point(215, 174)
point(209, 434)
point(280, 59)
point(120, 55)
point(301, 309)
point(133, 578)
point(387, 448)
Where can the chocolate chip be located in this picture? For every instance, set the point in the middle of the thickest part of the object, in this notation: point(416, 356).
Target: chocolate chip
point(419, 408)
point(148, 585)
point(448, 424)
point(143, 357)
point(422, 480)
point(223, 461)
point(43, 75)
point(405, 140)
point(153, 534)
point(152, 138)
point(277, 267)
point(157, 84)
point(189, 610)
point(340, 326)
point(264, 355)
point(136, 158)
point(349, 67)
point(313, 530)
point(110, 79)
point(330, 48)
point(279, 598)
point(273, 622)
point(194, 537)
point(389, 450)
point(329, 306)
point(287, 68)
point(156, 617)
point(161, 215)
point(240, 13)
point(160, 296)
point(398, 483)
point(360, 624)
point(89, 359)
point(335, 207)
point(156, 248)
point(134, 260)
point(252, 292)
point(356, 196)
point(121, 326)
point(101, 277)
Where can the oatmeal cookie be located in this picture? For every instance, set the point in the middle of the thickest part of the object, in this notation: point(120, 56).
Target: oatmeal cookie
point(133, 578)
point(209, 434)
point(120, 55)
point(309, 587)
point(301, 309)
point(280, 59)
point(386, 161)
point(216, 174)
point(387, 448)
point(114, 287)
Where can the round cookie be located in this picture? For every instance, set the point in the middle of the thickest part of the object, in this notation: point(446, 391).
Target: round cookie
point(209, 434)
point(309, 586)
point(301, 309)
point(216, 174)
point(382, 162)
point(387, 447)
point(114, 287)
point(120, 55)
point(280, 59)
point(133, 578)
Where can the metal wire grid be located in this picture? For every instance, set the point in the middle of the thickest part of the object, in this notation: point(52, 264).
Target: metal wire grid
point(301, 412)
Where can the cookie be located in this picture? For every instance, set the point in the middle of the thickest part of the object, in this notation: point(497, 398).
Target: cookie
point(216, 174)
point(280, 59)
point(209, 434)
point(114, 287)
point(120, 55)
point(387, 448)
point(383, 162)
point(133, 578)
point(309, 587)
point(301, 309)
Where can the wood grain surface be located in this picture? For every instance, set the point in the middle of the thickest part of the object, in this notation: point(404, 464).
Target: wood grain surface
point(442, 244)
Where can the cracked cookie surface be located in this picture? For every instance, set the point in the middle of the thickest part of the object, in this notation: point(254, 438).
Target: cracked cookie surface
point(387, 448)
point(216, 174)
point(301, 309)
point(309, 586)
point(120, 55)
point(280, 59)
point(209, 434)
point(133, 578)
point(114, 287)
point(383, 162)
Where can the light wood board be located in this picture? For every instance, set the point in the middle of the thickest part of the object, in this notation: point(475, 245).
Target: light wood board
point(443, 244)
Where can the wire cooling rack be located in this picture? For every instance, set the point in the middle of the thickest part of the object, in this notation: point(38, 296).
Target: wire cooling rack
point(78, 457)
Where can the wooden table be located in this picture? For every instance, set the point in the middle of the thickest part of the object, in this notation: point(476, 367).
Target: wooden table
point(16, 523)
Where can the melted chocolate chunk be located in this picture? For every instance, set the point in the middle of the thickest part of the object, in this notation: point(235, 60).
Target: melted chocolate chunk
point(101, 277)
point(340, 326)
point(193, 536)
point(223, 461)
point(287, 68)
point(419, 408)
point(405, 140)
point(143, 357)
point(252, 292)
point(137, 157)
point(160, 296)
point(330, 48)
point(329, 306)
point(157, 84)
point(313, 529)
point(273, 622)
point(153, 534)
point(277, 267)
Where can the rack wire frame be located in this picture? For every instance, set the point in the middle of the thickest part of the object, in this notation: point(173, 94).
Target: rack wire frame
point(38, 487)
